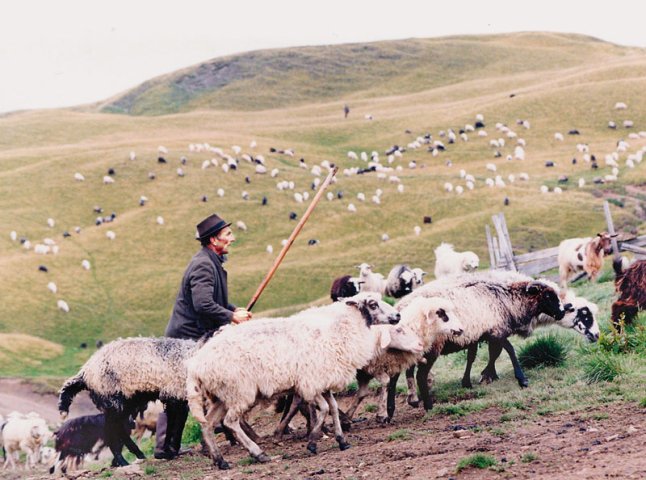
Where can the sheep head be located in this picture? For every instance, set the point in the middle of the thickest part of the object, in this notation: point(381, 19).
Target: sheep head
point(546, 298)
point(581, 317)
point(470, 261)
point(373, 309)
point(400, 337)
point(438, 312)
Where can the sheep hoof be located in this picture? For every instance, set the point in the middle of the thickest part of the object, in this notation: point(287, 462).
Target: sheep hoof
point(413, 402)
point(223, 464)
point(467, 384)
point(311, 446)
point(523, 382)
point(343, 445)
point(262, 458)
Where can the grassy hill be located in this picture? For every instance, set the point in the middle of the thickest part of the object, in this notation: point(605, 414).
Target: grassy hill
point(293, 98)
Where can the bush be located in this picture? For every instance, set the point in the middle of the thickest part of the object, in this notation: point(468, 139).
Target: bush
point(547, 351)
point(624, 338)
point(602, 367)
point(479, 460)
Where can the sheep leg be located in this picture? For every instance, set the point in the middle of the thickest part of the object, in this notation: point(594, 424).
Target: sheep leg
point(232, 421)
point(412, 399)
point(382, 398)
point(249, 431)
point(132, 446)
point(214, 416)
point(114, 438)
point(294, 402)
point(518, 371)
point(472, 351)
point(315, 434)
point(423, 370)
point(489, 373)
point(392, 391)
point(363, 390)
point(334, 411)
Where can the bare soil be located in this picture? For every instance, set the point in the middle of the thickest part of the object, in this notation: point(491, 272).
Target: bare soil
point(605, 441)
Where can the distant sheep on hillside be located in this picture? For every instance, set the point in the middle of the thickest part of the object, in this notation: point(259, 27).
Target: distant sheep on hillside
point(450, 262)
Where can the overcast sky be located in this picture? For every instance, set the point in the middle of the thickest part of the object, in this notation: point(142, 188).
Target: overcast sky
point(56, 53)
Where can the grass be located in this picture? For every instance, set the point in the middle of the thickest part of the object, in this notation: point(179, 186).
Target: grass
point(545, 351)
point(399, 435)
point(528, 457)
point(478, 460)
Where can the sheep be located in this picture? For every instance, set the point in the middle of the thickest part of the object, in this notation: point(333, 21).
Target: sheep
point(450, 262)
point(123, 376)
point(79, 177)
point(372, 282)
point(78, 437)
point(491, 306)
point(429, 319)
point(399, 281)
point(631, 287)
point(344, 287)
point(26, 433)
point(313, 352)
point(62, 305)
point(582, 254)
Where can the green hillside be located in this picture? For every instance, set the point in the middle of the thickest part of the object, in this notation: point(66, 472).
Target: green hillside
point(293, 98)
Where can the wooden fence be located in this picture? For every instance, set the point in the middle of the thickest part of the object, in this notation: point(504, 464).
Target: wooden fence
point(501, 252)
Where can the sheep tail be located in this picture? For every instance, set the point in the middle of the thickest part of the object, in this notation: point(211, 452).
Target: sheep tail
point(617, 266)
point(195, 398)
point(69, 390)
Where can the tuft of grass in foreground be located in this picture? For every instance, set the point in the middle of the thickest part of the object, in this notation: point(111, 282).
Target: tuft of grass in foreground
point(479, 460)
point(546, 351)
point(602, 367)
point(529, 457)
point(402, 434)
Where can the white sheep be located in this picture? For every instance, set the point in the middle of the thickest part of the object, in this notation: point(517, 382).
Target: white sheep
point(62, 305)
point(450, 262)
point(51, 286)
point(79, 177)
point(85, 264)
point(111, 235)
point(312, 353)
point(372, 282)
point(429, 319)
point(107, 180)
point(26, 433)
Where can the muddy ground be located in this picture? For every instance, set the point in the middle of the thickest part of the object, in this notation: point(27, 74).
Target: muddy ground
point(605, 441)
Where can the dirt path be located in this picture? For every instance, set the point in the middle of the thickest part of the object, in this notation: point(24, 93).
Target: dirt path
point(606, 441)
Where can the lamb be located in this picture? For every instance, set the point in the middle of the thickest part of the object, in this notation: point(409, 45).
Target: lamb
point(429, 319)
point(312, 353)
point(450, 262)
point(27, 433)
point(372, 282)
point(123, 376)
point(631, 287)
point(399, 282)
point(491, 306)
point(582, 254)
point(344, 287)
point(76, 438)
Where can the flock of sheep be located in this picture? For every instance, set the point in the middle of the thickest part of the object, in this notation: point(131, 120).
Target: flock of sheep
point(313, 354)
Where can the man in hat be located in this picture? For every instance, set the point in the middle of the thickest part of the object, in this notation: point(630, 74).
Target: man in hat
point(202, 305)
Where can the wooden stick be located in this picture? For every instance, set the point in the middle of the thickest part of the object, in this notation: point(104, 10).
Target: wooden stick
point(291, 238)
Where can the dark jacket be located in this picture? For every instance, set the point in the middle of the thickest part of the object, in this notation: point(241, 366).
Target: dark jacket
point(202, 303)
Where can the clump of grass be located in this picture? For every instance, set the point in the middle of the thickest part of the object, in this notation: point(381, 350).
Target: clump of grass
point(642, 403)
point(479, 460)
point(243, 462)
point(529, 457)
point(546, 351)
point(458, 409)
point(192, 431)
point(370, 408)
point(402, 434)
point(150, 470)
point(602, 367)
point(623, 338)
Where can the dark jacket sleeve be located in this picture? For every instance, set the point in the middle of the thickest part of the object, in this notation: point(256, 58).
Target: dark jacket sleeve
point(203, 280)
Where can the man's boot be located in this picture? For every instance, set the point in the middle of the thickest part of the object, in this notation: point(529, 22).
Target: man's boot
point(161, 438)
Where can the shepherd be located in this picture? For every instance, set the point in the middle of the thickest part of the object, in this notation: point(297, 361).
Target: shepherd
point(202, 305)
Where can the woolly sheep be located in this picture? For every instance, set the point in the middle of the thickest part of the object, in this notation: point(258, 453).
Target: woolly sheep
point(490, 305)
point(630, 284)
point(123, 376)
point(314, 352)
point(62, 305)
point(371, 281)
point(450, 262)
point(429, 319)
point(399, 281)
point(345, 287)
point(26, 433)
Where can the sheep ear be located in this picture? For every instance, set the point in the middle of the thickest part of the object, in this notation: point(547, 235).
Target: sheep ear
point(352, 303)
point(568, 307)
point(533, 288)
point(424, 273)
point(385, 338)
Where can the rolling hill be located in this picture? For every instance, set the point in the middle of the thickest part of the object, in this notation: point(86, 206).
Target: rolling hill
point(293, 99)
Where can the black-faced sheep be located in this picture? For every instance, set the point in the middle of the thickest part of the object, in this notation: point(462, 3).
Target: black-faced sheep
point(631, 287)
point(400, 281)
point(345, 287)
point(450, 262)
point(582, 254)
point(311, 353)
point(489, 308)
point(123, 376)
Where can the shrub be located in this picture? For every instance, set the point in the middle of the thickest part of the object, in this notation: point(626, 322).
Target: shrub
point(623, 338)
point(479, 460)
point(546, 351)
point(528, 457)
point(602, 367)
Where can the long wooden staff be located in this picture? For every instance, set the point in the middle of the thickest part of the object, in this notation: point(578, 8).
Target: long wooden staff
point(291, 238)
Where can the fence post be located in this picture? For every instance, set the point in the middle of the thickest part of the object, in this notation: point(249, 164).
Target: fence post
point(492, 255)
point(611, 229)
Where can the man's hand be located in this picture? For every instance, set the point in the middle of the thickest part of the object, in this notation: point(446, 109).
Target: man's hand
point(241, 315)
